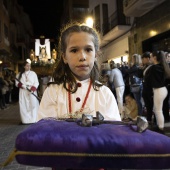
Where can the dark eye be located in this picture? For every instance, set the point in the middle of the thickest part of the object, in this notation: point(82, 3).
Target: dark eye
point(74, 50)
point(89, 49)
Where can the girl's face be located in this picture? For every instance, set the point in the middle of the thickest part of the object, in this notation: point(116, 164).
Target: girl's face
point(80, 54)
point(27, 67)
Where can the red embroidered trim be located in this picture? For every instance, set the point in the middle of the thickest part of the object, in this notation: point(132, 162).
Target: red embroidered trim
point(85, 99)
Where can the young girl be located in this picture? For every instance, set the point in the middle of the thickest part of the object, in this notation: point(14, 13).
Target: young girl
point(75, 89)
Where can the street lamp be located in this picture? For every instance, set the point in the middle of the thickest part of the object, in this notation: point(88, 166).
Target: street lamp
point(89, 21)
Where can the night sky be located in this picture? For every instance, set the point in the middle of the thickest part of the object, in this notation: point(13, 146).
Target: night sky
point(45, 16)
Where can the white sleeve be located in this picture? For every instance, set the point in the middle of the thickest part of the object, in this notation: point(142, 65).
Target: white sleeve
point(110, 110)
point(48, 104)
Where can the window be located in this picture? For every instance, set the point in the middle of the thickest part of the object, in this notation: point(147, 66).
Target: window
point(97, 17)
point(6, 31)
point(105, 18)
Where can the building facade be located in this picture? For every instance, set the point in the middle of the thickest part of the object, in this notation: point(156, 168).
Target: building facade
point(114, 28)
point(131, 26)
point(16, 33)
point(151, 28)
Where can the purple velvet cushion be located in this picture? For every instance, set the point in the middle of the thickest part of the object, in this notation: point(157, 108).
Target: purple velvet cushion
point(67, 145)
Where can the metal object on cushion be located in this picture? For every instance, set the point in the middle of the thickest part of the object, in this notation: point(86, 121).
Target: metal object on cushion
point(142, 124)
point(99, 116)
point(87, 120)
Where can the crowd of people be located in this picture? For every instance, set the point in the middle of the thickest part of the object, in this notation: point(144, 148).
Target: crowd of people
point(147, 80)
point(75, 86)
point(8, 90)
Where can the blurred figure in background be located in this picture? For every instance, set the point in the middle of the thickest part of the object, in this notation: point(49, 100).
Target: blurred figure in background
point(2, 92)
point(116, 79)
point(10, 88)
point(166, 104)
point(133, 72)
point(147, 92)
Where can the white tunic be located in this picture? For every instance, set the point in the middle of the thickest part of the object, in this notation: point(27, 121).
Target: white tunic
point(55, 103)
point(28, 103)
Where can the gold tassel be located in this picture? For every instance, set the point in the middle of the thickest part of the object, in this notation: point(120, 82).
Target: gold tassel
point(10, 158)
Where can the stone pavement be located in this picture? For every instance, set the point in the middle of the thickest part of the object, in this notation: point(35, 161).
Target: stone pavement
point(10, 127)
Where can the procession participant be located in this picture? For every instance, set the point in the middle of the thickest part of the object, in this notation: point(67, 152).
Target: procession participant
point(27, 81)
point(75, 88)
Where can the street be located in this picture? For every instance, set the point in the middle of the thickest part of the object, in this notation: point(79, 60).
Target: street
point(10, 127)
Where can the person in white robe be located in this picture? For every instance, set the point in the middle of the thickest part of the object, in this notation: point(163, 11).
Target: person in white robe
point(55, 102)
point(27, 81)
point(74, 89)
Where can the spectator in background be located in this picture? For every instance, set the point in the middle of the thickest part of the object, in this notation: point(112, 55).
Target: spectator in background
point(2, 93)
point(124, 67)
point(167, 56)
point(147, 92)
point(133, 71)
point(159, 71)
point(6, 88)
point(10, 88)
point(166, 104)
point(116, 79)
point(15, 91)
point(44, 81)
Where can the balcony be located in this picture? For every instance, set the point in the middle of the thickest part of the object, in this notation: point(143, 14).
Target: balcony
point(137, 8)
point(116, 26)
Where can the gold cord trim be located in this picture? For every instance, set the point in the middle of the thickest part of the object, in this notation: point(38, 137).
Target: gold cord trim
point(15, 153)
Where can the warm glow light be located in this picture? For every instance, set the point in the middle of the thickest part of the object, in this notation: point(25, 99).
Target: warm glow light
point(89, 22)
point(54, 54)
point(0, 62)
point(153, 33)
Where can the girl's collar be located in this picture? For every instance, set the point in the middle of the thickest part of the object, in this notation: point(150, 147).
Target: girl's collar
point(83, 81)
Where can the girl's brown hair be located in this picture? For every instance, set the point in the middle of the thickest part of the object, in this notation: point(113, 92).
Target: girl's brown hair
point(62, 72)
point(23, 70)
